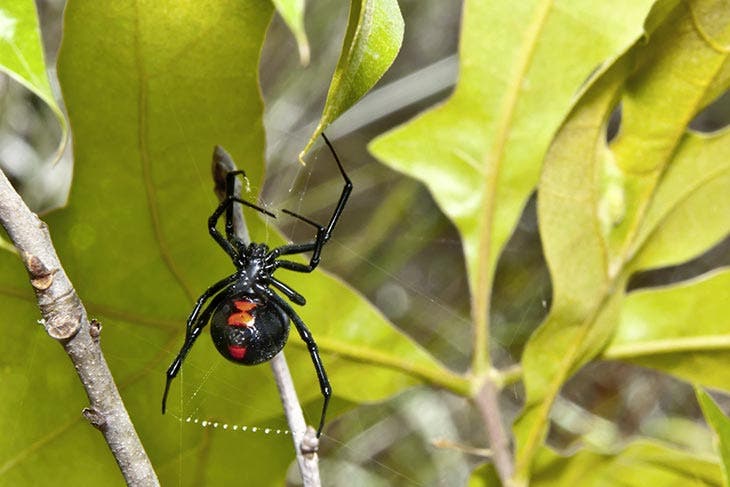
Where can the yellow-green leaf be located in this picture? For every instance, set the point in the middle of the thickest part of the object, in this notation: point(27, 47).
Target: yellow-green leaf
point(602, 209)
point(372, 41)
point(292, 11)
point(679, 73)
point(480, 152)
point(692, 201)
point(21, 53)
point(582, 289)
point(721, 425)
point(640, 464)
point(683, 329)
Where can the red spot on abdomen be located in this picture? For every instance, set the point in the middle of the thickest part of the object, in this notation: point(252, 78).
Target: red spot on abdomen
point(243, 317)
point(236, 351)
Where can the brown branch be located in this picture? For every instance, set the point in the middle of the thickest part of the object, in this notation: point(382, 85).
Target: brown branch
point(65, 319)
point(305, 438)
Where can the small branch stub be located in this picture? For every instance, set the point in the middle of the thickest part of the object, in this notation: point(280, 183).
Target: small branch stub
point(95, 330)
point(94, 417)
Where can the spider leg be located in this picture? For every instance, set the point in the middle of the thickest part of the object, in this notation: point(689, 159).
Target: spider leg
point(323, 233)
point(212, 290)
point(195, 324)
point(287, 291)
point(231, 194)
point(315, 246)
point(346, 190)
point(225, 205)
point(308, 339)
point(293, 266)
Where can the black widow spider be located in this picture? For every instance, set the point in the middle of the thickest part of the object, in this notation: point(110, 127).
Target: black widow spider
point(250, 322)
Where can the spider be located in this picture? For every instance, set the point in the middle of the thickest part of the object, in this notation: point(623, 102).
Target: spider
point(249, 321)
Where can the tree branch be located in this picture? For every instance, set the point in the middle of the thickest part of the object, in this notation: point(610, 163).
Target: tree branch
point(305, 438)
point(65, 319)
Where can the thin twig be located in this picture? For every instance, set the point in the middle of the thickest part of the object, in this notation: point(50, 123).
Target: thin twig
point(304, 437)
point(65, 319)
point(487, 402)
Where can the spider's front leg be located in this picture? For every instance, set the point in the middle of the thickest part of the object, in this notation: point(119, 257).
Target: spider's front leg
point(323, 233)
point(227, 206)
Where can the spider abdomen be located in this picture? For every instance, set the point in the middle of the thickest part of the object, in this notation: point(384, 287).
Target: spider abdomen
point(248, 331)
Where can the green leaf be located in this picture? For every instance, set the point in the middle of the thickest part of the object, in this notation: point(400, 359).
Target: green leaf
point(582, 295)
point(692, 200)
point(721, 425)
point(292, 11)
point(150, 89)
point(689, 72)
point(640, 464)
point(372, 41)
point(21, 54)
point(605, 212)
point(480, 152)
point(7, 245)
point(484, 476)
point(680, 329)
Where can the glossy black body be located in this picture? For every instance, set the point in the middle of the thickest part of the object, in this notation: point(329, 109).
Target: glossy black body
point(260, 340)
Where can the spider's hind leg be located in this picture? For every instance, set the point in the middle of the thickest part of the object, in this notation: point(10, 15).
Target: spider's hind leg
point(195, 324)
point(308, 339)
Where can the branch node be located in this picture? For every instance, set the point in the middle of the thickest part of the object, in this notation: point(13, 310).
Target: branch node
point(95, 418)
point(62, 316)
point(41, 277)
point(63, 330)
point(310, 442)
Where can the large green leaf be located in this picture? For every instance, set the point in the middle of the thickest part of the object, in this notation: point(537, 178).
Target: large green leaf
point(573, 247)
point(151, 87)
point(372, 41)
point(682, 329)
point(721, 425)
point(607, 211)
point(480, 152)
point(21, 53)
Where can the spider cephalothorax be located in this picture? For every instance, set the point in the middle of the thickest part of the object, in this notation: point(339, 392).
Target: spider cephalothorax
point(249, 321)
